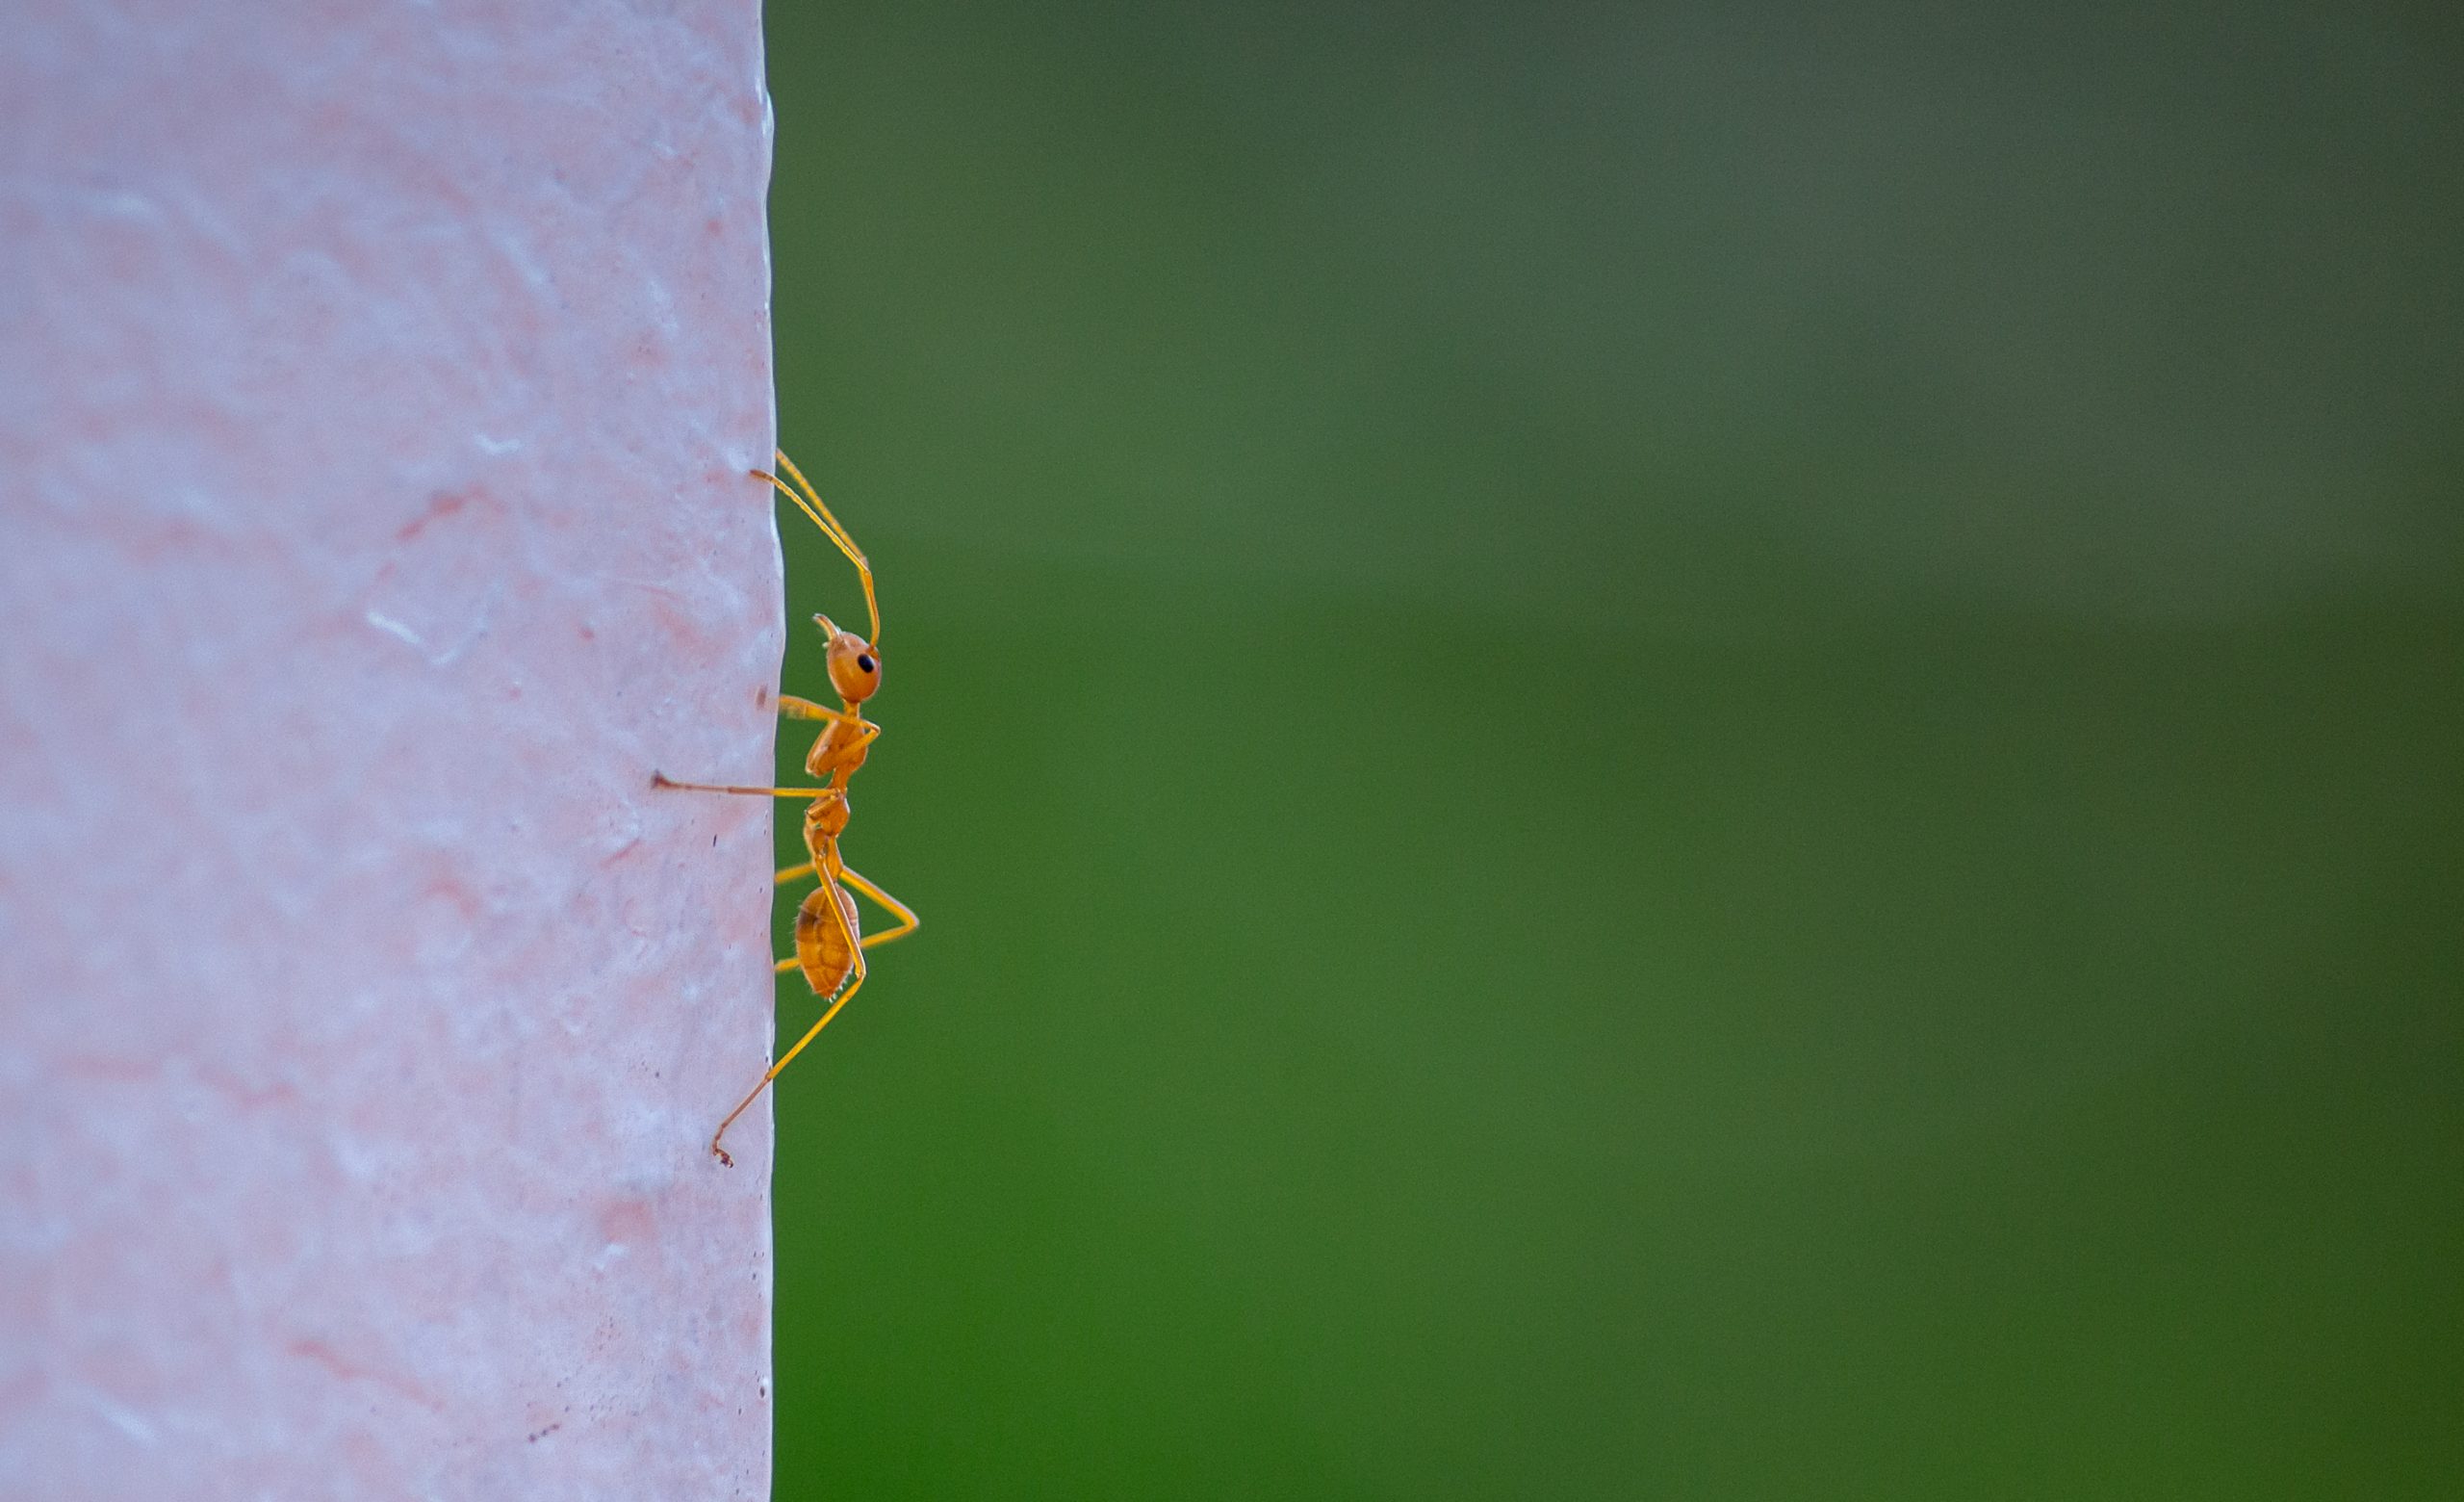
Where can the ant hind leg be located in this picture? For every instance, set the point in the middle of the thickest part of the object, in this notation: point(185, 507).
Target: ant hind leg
point(855, 983)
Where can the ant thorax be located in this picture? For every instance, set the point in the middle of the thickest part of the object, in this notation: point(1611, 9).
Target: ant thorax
point(839, 749)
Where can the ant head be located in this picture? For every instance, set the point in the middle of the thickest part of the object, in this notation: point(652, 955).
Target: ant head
point(854, 666)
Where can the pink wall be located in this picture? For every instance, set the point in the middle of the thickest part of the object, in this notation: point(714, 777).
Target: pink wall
point(376, 388)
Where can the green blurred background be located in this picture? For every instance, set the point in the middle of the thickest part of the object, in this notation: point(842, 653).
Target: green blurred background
point(1691, 753)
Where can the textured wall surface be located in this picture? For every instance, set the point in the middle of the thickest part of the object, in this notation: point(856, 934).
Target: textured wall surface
point(376, 388)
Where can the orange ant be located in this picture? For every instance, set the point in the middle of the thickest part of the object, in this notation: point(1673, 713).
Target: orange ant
point(830, 943)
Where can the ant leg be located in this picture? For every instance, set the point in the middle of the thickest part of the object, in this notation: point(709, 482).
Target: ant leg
point(907, 921)
point(794, 707)
point(853, 985)
point(792, 873)
point(662, 779)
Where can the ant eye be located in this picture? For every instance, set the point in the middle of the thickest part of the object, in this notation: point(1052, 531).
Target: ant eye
point(864, 661)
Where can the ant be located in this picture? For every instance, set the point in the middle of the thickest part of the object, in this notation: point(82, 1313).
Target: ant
point(830, 943)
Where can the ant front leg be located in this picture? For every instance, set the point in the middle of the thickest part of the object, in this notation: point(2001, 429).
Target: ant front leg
point(794, 707)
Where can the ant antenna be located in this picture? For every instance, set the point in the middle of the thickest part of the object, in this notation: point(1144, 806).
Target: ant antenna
point(808, 501)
